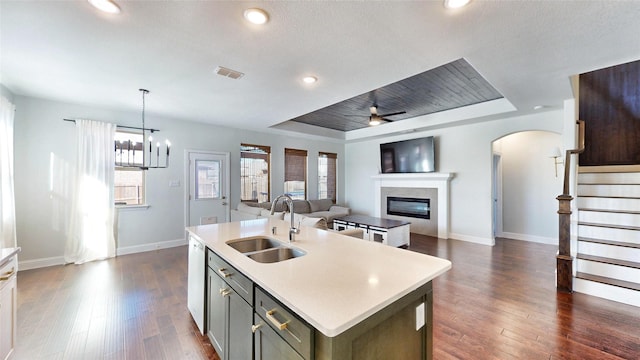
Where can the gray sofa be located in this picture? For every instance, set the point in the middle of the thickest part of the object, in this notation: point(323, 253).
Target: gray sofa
point(323, 208)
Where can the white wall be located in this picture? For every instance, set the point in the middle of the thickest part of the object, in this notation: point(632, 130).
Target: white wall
point(465, 150)
point(6, 93)
point(530, 185)
point(44, 152)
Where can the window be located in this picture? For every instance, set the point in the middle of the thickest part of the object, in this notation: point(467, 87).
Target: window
point(254, 173)
point(295, 173)
point(207, 179)
point(128, 179)
point(327, 163)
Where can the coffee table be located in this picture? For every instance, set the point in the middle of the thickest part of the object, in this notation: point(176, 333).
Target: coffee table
point(387, 231)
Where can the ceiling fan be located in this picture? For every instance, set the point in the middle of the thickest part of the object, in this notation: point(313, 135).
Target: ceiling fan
point(377, 119)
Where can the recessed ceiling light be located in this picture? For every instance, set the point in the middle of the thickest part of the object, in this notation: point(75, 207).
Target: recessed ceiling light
point(107, 6)
point(309, 79)
point(455, 4)
point(256, 16)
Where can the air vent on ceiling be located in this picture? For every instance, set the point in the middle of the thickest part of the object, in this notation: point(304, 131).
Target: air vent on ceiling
point(221, 70)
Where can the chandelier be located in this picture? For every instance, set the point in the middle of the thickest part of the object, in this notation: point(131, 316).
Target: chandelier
point(137, 154)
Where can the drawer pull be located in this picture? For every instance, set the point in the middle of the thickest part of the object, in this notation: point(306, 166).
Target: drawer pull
point(222, 273)
point(274, 321)
point(224, 292)
point(255, 328)
point(6, 276)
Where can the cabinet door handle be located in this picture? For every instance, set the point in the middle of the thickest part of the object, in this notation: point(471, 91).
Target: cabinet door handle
point(6, 276)
point(224, 292)
point(255, 328)
point(222, 272)
point(274, 321)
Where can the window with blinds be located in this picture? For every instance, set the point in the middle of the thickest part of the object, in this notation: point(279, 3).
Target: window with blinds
point(295, 173)
point(255, 173)
point(327, 167)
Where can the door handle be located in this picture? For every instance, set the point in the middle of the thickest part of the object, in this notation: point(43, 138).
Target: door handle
point(224, 203)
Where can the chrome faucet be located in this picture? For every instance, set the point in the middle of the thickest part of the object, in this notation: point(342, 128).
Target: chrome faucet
point(287, 199)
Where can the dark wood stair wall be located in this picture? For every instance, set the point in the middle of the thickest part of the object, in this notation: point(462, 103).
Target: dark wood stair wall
point(608, 105)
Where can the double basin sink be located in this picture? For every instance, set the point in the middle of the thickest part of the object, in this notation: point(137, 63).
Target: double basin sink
point(264, 249)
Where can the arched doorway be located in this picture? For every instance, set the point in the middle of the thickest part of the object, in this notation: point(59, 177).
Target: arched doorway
point(525, 185)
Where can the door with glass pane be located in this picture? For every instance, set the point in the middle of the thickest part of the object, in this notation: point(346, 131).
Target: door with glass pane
point(208, 188)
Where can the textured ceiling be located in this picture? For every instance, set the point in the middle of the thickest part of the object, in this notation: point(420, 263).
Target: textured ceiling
point(67, 51)
point(446, 87)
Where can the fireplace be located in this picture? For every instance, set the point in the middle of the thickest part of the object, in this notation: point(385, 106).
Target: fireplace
point(410, 207)
point(410, 184)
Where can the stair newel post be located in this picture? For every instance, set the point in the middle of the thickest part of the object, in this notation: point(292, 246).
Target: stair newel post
point(564, 260)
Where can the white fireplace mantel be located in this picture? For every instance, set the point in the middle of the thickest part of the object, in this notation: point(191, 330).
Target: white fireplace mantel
point(439, 181)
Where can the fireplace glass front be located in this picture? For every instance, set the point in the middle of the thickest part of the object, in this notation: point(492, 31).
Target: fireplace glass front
point(410, 207)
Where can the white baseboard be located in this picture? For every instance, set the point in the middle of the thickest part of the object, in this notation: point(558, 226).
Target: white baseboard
point(473, 239)
point(59, 260)
point(532, 238)
point(150, 247)
point(40, 263)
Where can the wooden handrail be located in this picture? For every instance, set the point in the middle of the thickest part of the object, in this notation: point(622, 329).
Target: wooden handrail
point(567, 161)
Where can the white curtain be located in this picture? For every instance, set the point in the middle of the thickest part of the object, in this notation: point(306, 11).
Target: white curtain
point(7, 197)
point(91, 232)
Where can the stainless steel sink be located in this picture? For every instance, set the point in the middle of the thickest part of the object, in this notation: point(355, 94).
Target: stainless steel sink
point(254, 244)
point(264, 249)
point(276, 255)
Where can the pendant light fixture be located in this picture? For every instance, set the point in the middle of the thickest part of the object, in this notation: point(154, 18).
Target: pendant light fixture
point(127, 149)
point(147, 163)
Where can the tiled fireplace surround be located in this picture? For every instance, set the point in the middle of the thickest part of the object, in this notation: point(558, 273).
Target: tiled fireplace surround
point(422, 183)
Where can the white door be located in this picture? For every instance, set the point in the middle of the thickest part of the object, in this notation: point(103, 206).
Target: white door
point(208, 198)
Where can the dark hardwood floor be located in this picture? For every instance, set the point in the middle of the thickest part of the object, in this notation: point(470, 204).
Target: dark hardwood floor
point(129, 307)
point(495, 303)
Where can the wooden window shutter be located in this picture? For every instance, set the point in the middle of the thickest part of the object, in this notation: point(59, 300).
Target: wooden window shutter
point(295, 163)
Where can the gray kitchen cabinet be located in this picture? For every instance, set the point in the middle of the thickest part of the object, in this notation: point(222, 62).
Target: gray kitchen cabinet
point(269, 345)
point(216, 313)
point(229, 315)
point(280, 334)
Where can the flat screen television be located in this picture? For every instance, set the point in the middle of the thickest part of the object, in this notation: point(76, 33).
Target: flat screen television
point(408, 156)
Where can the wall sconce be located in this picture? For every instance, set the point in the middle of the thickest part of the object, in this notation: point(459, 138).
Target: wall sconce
point(556, 154)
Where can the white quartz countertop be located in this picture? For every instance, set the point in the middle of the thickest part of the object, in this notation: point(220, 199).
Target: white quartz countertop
point(338, 283)
point(7, 253)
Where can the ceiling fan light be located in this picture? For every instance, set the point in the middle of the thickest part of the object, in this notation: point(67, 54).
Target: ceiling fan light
point(374, 121)
point(256, 16)
point(455, 4)
point(107, 6)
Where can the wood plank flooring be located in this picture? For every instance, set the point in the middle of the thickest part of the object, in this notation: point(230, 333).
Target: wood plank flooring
point(130, 307)
point(495, 303)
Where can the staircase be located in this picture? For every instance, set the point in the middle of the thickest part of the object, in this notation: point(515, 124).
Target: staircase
point(608, 254)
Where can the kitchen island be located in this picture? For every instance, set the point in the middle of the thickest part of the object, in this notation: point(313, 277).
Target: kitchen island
point(359, 299)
